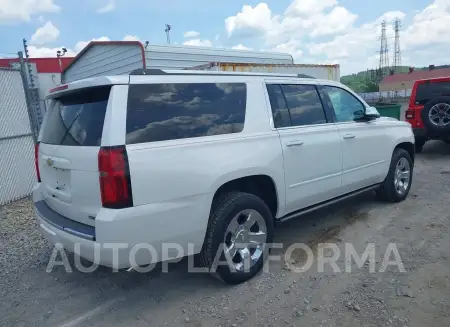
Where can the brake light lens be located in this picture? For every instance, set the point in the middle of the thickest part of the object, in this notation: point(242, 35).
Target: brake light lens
point(410, 114)
point(58, 88)
point(115, 182)
point(36, 161)
point(412, 98)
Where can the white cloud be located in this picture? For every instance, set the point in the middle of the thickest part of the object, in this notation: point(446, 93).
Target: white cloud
point(110, 6)
point(292, 47)
point(22, 10)
point(324, 31)
point(131, 38)
point(81, 44)
point(241, 47)
point(39, 52)
point(41, 19)
point(251, 21)
point(303, 17)
point(45, 34)
point(191, 34)
point(198, 43)
point(306, 7)
point(51, 52)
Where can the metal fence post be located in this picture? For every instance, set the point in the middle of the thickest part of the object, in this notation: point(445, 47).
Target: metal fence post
point(33, 124)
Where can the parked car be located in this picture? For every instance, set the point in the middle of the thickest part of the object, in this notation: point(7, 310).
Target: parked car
point(209, 161)
point(429, 110)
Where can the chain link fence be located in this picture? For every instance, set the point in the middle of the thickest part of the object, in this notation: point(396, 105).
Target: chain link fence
point(386, 96)
point(19, 127)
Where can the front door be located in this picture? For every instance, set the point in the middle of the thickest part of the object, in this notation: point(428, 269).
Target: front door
point(364, 143)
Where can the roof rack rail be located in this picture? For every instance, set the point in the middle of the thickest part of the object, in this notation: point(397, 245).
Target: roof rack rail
point(142, 71)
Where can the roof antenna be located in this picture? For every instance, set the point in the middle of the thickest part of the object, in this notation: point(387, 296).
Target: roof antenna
point(146, 44)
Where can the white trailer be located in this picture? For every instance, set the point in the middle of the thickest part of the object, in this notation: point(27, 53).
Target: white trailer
point(329, 72)
point(122, 57)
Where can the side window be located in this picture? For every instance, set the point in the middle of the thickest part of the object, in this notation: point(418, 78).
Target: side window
point(159, 112)
point(346, 106)
point(280, 110)
point(304, 105)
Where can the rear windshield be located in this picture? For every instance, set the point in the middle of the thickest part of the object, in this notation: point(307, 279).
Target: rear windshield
point(77, 119)
point(159, 112)
point(429, 90)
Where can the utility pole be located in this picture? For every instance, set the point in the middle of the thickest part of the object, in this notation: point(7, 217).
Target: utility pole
point(383, 69)
point(28, 101)
point(168, 28)
point(397, 53)
point(33, 91)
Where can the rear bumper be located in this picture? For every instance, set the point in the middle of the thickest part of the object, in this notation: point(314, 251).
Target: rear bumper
point(127, 237)
point(89, 249)
point(424, 133)
point(62, 223)
point(420, 132)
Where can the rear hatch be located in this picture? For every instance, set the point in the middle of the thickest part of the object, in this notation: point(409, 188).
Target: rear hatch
point(69, 144)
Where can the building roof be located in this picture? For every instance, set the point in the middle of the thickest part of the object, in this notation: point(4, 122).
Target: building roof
point(43, 65)
point(416, 75)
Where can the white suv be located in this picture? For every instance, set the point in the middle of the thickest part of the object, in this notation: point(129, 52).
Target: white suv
point(130, 164)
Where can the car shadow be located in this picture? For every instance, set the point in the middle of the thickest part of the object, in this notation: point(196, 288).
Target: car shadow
point(70, 295)
point(433, 149)
point(322, 226)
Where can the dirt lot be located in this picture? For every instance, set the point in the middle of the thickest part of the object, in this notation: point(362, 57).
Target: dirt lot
point(418, 297)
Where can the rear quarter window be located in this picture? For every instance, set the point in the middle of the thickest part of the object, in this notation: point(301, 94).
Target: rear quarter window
point(77, 119)
point(160, 112)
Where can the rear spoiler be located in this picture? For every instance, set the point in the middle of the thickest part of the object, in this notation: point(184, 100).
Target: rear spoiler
point(88, 83)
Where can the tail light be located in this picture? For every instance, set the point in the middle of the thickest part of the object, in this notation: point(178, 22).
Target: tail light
point(115, 182)
point(412, 98)
point(409, 114)
point(36, 161)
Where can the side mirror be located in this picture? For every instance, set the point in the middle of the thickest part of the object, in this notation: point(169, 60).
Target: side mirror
point(372, 112)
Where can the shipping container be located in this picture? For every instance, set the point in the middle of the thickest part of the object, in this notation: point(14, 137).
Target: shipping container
point(121, 57)
point(329, 72)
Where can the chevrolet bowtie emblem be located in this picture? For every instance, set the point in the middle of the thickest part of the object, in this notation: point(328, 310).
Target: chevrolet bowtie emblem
point(49, 162)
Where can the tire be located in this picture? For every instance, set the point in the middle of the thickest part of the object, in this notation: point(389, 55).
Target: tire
point(419, 144)
point(438, 105)
point(223, 215)
point(389, 190)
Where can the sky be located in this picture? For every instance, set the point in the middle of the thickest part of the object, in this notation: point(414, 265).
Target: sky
point(345, 32)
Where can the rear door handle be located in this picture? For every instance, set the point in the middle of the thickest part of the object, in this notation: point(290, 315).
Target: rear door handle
point(349, 136)
point(294, 143)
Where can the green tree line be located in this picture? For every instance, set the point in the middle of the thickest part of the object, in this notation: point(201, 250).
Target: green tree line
point(361, 82)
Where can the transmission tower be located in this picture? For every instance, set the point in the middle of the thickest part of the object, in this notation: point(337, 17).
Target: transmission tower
point(383, 69)
point(397, 53)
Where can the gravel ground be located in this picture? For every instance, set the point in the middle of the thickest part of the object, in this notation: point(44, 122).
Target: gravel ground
point(418, 297)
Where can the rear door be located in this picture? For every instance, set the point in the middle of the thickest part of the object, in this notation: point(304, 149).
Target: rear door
point(70, 140)
point(311, 145)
